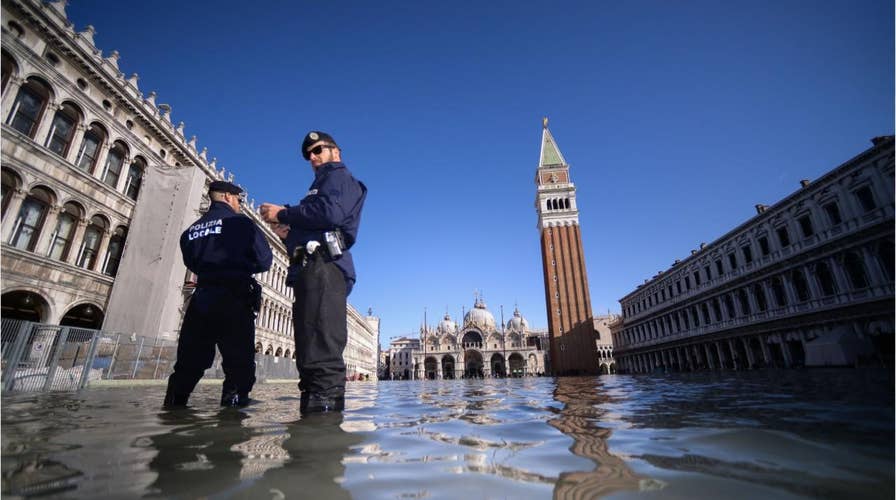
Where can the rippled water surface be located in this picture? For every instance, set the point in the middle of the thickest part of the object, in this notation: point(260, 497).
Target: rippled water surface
point(789, 434)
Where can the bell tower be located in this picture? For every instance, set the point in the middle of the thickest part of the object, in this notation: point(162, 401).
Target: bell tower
point(567, 299)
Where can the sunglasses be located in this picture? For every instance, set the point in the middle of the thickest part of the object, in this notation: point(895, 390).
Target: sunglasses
point(316, 150)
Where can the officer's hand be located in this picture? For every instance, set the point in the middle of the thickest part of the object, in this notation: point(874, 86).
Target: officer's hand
point(281, 230)
point(269, 211)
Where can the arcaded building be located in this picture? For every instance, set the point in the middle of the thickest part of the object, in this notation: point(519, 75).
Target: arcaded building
point(807, 281)
point(98, 183)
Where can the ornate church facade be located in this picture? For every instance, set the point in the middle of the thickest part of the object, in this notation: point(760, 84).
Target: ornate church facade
point(477, 348)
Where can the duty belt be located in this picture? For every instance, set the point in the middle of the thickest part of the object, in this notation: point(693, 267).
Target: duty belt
point(225, 281)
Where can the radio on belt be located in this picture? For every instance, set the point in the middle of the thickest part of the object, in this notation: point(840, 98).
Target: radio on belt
point(334, 242)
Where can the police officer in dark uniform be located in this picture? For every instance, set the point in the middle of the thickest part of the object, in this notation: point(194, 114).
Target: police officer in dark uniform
point(318, 234)
point(224, 249)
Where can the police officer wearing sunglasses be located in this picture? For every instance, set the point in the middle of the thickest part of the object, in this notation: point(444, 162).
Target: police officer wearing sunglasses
point(224, 249)
point(319, 233)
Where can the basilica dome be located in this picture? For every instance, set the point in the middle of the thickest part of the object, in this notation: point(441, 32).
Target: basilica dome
point(517, 323)
point(446, 325)
point(480, 317)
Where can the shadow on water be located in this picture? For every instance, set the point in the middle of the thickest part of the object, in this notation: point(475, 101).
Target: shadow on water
point(221, 456)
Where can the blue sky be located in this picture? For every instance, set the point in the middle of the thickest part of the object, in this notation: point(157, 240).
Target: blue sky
point(676, 118)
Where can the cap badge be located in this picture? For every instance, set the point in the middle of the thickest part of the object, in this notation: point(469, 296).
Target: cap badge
point(313, 136)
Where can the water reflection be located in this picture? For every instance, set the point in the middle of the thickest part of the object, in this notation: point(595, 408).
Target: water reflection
point(317, 447)
point(197, 454)
point(579, 419)
point(738, 435)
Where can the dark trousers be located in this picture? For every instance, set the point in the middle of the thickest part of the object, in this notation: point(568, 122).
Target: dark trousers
point(321, 330)
point(221, 316)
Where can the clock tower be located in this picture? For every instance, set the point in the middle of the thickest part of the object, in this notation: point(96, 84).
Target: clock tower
point(567, 299)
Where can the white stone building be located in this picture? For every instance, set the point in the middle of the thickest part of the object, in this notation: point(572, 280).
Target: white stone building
point(97, 185)
point(808, 281)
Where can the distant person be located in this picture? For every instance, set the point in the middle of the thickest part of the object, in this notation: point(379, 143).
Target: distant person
point(318, 233)
point(224, 249)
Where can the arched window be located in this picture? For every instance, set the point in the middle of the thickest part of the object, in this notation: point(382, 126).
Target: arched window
point(729, 306)
point(29, 106)
point(825, 279)
point(9, 68)
point(116, 247)
point(135, 175)
point(91, 243)
point(114, 162)
point(61, 242)
point(30, 220)
point(90, 148)
point(744, 302)
point(778, 292)
point(10, 181)
point(63, 129)
point(800, 284)
point(759, 293)
point(855, 269)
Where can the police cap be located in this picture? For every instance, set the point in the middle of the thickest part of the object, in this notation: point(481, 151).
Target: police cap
point(315, 136)
point(224, 187)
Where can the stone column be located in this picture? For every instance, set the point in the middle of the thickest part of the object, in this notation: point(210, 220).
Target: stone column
point(48, 230)
point(12, 212)
point(789, 291)
point(720, 354)
point(763, 344)
point(731, 352)
point(77, 242)
point(785, 351)
point(876, 274)
point(839, 274)
point(123, 178)
point(9, 97)
point(46, 121)
point(709, 357)
point(100, 164)
point(72, 155)
point(749, 351)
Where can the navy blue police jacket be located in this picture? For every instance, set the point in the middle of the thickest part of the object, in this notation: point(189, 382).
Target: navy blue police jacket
point(334, 201)
point(224, 245)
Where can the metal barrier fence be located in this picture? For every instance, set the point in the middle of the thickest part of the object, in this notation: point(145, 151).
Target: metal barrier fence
point(41, 357)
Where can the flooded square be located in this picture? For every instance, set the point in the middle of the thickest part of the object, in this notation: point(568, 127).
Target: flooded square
point(787, 434)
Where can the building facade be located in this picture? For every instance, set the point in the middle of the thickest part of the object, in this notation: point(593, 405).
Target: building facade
point(808, 281)
point(567, 296)
point(475, 349)
point(97, 185)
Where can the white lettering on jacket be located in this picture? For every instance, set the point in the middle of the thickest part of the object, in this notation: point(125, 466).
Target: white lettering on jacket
point(204, 229)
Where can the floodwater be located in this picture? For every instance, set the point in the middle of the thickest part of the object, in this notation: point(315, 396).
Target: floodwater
point(773, 434)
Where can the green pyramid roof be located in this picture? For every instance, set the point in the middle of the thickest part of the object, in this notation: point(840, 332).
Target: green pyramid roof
point(550, 153)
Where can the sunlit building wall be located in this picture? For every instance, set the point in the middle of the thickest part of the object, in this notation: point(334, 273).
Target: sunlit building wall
point(98, 183)
point(807, 281)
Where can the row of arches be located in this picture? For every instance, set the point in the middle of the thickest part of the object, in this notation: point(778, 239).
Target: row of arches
point(31, 306)
point(557, 204)
point(61, 231)
point(275, 316)
point(270, 350)
point(58, 123)
point(848, 272)
point(474, 366)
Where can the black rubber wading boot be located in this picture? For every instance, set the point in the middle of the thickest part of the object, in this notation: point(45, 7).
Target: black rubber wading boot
point(234, 399)
point(319, 403)
point(173, 400)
